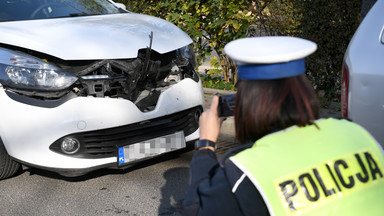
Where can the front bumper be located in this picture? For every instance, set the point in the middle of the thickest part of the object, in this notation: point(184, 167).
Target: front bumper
point(30, 132)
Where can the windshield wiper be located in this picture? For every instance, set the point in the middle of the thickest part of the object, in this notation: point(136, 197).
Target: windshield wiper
point(79, 14)
point(76, 15)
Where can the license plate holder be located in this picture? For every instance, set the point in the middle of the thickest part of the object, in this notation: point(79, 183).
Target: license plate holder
point(151, 148)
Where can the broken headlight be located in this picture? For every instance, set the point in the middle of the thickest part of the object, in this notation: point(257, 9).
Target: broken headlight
point(186, 61)
point(30, 75)
point(187, 56)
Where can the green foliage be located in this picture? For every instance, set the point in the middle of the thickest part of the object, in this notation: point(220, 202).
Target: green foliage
point(212, 24)
point(331, 25)
point(215, 72)
point(216, 83)
point(215, 63)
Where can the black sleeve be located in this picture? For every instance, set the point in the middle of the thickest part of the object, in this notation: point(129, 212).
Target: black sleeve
point(210, 189)
point(209, 192)
point(247, 195)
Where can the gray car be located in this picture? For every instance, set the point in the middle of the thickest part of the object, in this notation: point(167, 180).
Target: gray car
point(363, 74)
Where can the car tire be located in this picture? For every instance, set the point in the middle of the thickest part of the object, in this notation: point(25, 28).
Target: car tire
point(8, 167)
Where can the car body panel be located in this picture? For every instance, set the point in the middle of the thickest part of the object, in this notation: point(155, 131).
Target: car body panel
point(41, 126)
point(364, 59)
point(85, 38)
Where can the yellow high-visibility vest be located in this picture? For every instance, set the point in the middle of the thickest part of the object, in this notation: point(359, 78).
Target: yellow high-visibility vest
point(333, 167)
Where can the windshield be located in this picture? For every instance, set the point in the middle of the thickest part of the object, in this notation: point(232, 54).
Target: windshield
point(15, 10)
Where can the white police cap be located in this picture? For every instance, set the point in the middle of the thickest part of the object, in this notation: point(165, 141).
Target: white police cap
point(270, 57)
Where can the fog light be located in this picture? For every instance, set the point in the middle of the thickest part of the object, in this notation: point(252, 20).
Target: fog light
point(70, 145)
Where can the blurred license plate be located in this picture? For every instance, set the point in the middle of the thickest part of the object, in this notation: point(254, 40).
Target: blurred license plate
point(151, 147)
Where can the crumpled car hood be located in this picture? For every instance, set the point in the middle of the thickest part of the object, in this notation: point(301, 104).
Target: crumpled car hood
point(116, 36)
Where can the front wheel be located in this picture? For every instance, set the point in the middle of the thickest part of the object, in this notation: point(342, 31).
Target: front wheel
point(8, 167)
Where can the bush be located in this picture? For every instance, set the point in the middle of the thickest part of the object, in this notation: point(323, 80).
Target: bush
point(216, 83)
point(331, 25)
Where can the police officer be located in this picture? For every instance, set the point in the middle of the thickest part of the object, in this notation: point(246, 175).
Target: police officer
point(291, 162)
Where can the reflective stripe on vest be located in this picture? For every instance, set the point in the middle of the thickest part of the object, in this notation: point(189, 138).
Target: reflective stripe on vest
point(335, 168)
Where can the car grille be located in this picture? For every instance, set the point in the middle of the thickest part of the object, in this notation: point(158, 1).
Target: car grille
point(103, 143)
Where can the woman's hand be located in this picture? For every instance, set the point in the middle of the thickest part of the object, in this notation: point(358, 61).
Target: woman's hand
point(210, 122)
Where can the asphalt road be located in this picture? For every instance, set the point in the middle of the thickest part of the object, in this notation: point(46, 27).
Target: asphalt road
point(150, 188)
point(147, 189)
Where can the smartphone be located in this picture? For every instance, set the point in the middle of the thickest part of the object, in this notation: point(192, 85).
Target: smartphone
point(226, 105)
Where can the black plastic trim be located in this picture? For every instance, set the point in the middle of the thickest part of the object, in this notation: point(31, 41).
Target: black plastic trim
point(40, 103)
point(71, 173)
point(105, 142)
point(68, 172)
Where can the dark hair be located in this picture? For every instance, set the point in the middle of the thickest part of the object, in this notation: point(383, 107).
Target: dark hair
point(263, 106)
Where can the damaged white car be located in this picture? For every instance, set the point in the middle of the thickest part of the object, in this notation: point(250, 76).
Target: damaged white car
point(86, 85)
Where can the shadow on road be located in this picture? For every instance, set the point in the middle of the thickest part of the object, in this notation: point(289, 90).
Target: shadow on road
point(173, 192)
